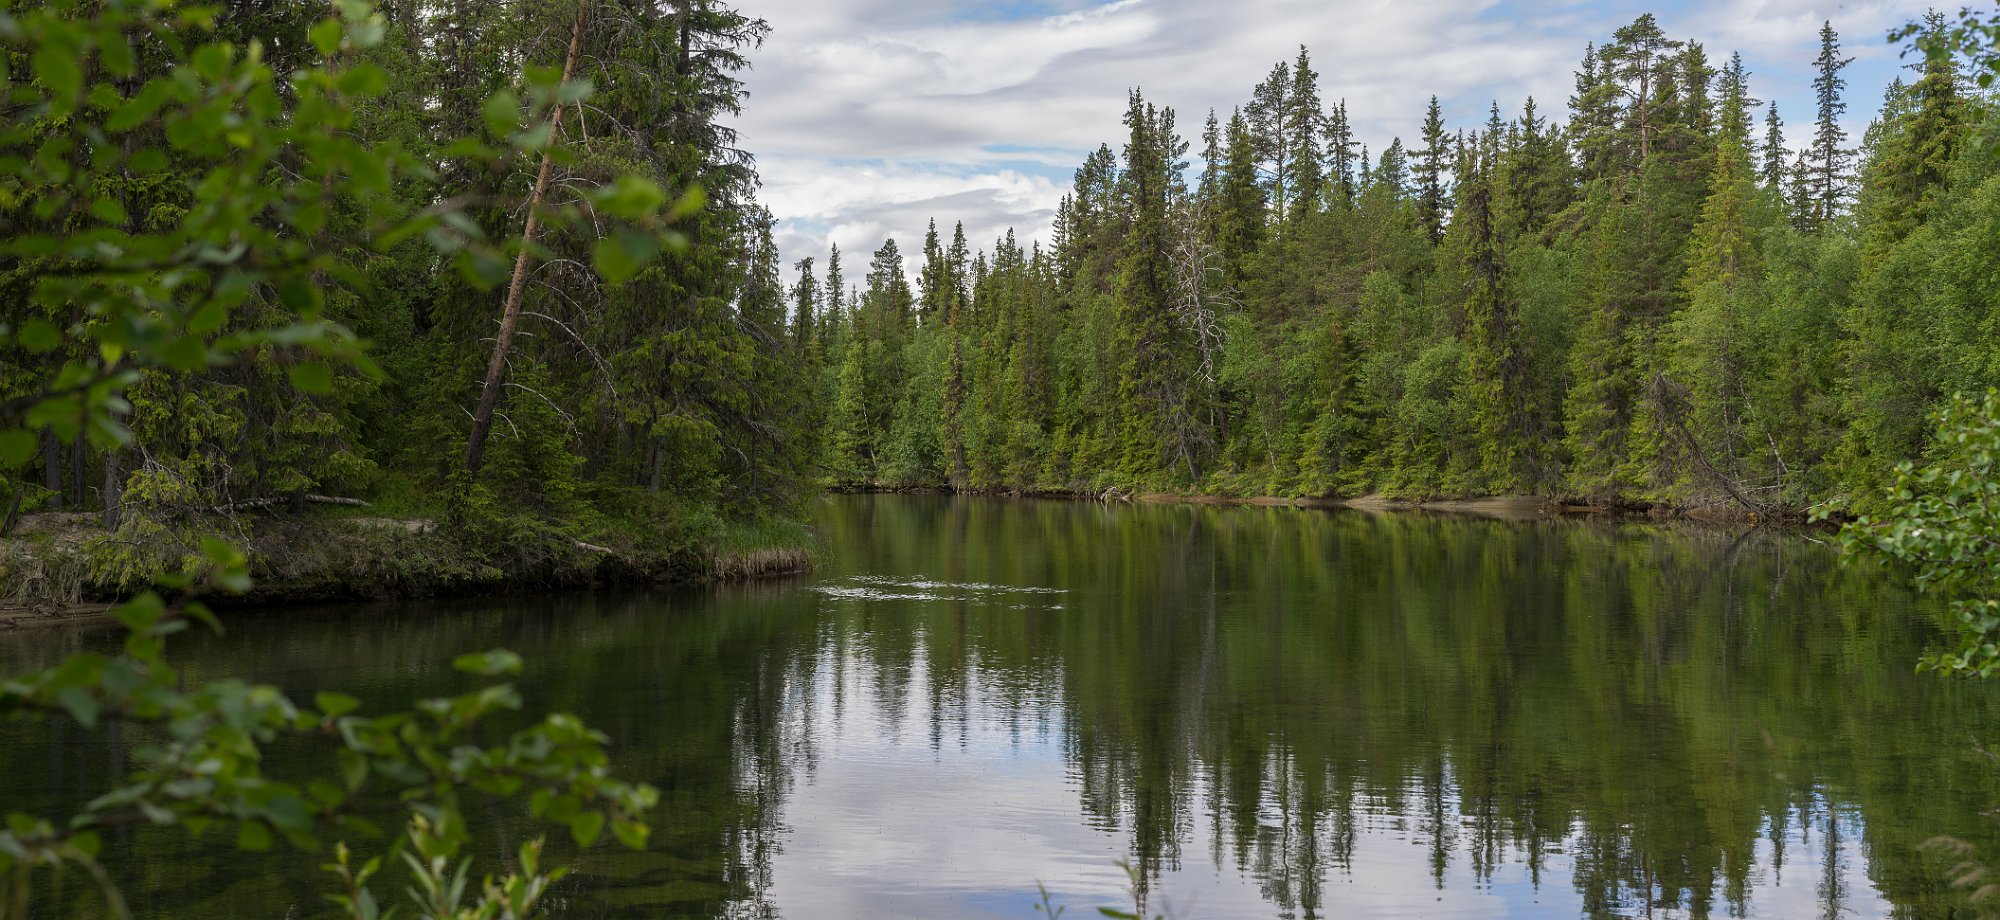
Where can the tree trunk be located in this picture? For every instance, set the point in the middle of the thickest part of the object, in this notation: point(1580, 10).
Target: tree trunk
point(52, 469)
point(510, 313)
point(114, 483)
point(76, 469)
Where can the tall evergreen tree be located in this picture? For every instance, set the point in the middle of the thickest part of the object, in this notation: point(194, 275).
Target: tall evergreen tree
point(1831, 161)
point(1432, 171)
point(1305, 122)
point(1340, 154)
point(1773, 174)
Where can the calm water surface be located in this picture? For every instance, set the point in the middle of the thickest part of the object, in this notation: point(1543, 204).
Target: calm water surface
point(1270, 713)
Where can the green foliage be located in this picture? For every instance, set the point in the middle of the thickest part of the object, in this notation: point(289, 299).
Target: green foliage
point(205, 768)
point(1623, 309)
point(1941, 518)
point(202, 214)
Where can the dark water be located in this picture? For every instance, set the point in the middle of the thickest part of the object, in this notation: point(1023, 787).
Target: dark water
point(1269, 712)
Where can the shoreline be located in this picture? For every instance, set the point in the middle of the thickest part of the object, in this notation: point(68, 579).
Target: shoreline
point(1502, 507)
point(60, 570)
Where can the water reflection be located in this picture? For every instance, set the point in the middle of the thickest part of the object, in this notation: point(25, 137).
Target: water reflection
point(1270, 712)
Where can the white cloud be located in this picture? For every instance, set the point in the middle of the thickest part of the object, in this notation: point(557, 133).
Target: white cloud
point(869, 116)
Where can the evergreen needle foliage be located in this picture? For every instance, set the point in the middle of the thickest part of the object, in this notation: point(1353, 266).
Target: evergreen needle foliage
point(1650, 303)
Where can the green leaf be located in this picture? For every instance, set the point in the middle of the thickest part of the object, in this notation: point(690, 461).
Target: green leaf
point(200, 613)
point(364, 80)
point(59, 69)
point(691, 203)
point(586, 827)
point(187, 353)
point(325, 36)
point(16, 446)
point(80, 704)
point(137, 109)
point(495, 663)
point(312, 377)
point(632, 198)
point(110, 210)
point(335, 705)
point(502, 112)
point(253, 836)
point(631, 833)
point(620, 256)
point(40, 335)
point(140, 613)
point(208, 318)
point(353, 768)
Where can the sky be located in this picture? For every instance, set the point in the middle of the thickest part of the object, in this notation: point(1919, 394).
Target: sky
point(870, 117)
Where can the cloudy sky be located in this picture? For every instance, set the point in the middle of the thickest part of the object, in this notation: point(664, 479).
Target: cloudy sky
point(869, 117)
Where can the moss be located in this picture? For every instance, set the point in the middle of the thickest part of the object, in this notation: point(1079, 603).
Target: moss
point(62, 561)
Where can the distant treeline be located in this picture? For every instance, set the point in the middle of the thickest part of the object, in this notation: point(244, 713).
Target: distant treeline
point(1661, 300)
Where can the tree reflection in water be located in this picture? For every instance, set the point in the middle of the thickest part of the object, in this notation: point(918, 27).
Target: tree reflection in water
point(1292, 713)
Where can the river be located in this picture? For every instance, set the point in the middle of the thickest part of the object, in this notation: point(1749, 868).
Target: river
point(1267, 712)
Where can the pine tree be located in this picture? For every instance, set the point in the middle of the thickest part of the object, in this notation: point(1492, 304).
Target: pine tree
point(1737, 103)
point(1537, 175)
point(1831, 161)
point(1714, 339)
point(1594, 116)
point(1431, 173)
point(1238, 212)
point(1270, 120)
point(836, 287)
point(1163, 427)
point(1304, 124)
point(1340, 155)
point(933, 280)
point(1907, 174)
point(1774, 173)
point(1635, 64)
point(1495, 353)
point(805, 307)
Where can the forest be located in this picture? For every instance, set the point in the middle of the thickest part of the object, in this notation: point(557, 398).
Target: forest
point(407, 255)
point(422, 294)
point(1671, 298)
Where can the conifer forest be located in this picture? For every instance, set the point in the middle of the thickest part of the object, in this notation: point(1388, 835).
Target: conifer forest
point(1660, 291)
point(1582, 506)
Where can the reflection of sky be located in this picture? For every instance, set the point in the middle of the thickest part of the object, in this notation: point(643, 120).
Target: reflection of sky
point(887, 825)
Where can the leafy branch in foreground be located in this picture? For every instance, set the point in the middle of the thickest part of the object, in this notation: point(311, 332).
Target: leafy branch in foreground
point(1943, 519)
point(270, 197)
point(202, 766)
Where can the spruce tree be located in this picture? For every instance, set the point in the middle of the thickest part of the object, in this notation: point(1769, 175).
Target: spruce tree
point(1737, 103)
point(805, 306)
point(1270, 122)
point(1238, 212)
point(1831, 161)
point(1714, 341)
point(1304, 124)
point(1774, 173)
point(1907, 174)
point(1431, 172)
point(1496, 360)
point(1340, 155)
point(933, 279)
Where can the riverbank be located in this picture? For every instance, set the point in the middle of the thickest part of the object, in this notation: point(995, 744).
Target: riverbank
point(1507, 507)
point(57, 568)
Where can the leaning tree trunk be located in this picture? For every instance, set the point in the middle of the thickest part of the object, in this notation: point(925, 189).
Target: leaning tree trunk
point(510, 313)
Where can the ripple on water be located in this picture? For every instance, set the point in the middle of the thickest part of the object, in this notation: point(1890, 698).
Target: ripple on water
point(923, 589)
